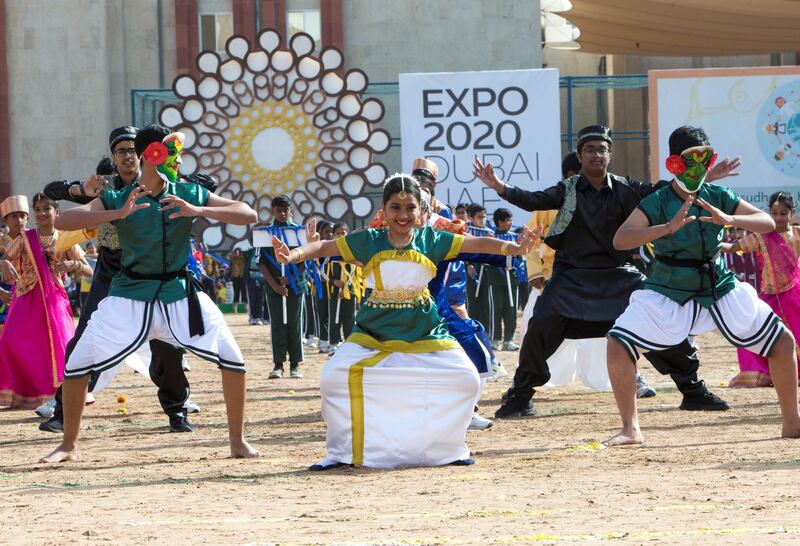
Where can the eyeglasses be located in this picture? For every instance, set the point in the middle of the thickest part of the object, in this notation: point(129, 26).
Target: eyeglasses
point(122, 152)
point(591, 150)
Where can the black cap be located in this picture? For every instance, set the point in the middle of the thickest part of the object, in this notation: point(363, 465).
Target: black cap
point(594, 132)
point(121, 133)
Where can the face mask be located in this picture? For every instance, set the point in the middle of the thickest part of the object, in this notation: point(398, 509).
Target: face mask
point(166, 155)
point(691, 167)
point(174, 144)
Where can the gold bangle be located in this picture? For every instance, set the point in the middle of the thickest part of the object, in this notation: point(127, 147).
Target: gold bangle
point(300, 254)
point(504, 248)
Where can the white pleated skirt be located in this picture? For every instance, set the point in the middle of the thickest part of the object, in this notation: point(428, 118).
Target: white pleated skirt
point(389, 410)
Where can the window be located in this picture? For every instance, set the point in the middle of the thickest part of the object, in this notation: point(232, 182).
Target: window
point(304, 20)
point(215, 29)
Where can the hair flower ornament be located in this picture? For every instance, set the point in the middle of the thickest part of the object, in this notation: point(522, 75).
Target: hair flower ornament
point(156, 153)
point(675, 164)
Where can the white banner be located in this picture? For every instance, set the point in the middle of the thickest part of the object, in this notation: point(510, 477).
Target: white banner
point(508, 118)
point(750, 112)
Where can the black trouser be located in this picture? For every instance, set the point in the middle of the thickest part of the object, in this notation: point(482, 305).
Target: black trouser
point(524, 294)
point(256, 301)
point(503, 312)
point(286, 338)
point(310, 319)
point(341, 330)
point(318, 313)
point(239, 290)
point(546, 332)
point(166, 365)
point(478, 304)
point(210, 288)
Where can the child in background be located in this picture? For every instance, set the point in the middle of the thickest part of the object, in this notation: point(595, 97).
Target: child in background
point(503, 312)
point(14, 211)
point(477, 287)
point(86, 280)
point(39, 322)
point(461, 212)
point(343, 289)
point(777, 257)
point(212, 275)
point(286, 338)
point(317, 303)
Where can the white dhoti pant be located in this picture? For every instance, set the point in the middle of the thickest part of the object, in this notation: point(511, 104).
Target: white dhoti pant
point(389, 409)
point(652, 321)
point(120, 326)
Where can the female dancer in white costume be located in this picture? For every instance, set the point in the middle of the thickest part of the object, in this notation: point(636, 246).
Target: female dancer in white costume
point(400, 391)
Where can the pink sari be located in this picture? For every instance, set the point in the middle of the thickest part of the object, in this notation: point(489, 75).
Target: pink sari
point(754, 369)
point(35, 337)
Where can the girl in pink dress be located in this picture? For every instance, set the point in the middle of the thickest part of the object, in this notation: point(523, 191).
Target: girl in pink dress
point(777, 255)
point(39, 323)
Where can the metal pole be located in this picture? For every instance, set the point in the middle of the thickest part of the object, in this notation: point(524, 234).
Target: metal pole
point(570, 140)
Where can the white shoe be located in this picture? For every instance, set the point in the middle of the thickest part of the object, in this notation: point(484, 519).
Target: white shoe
point(324, 346)
point(259, 322)
point(332, 348)
point(498, 370)
point(495, 345)
point(311, 341)
point(191, 407)
point(185, 365)
point(47, 409)
point(510, 346)
point(479, 423)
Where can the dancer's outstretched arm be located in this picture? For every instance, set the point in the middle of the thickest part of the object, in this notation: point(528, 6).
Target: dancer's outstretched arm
point(549, 199)
point(490, 245)
point(93, 214)
point(216, 208)
point(637, 230)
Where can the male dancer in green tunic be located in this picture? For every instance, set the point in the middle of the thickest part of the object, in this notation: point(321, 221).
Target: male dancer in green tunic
point(591, 280)
point(690, 290)
point(153, 296)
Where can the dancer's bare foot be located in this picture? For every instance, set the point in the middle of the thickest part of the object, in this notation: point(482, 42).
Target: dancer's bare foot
point(61, 454)
point(790, 431)
point(625, 438)
point(243, 450)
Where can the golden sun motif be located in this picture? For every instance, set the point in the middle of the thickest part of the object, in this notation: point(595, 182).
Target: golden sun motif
point(259, 166)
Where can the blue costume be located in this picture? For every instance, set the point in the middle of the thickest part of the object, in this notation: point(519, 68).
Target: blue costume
point(469, 333)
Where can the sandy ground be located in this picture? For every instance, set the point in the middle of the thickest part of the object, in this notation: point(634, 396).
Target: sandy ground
point(716, 478)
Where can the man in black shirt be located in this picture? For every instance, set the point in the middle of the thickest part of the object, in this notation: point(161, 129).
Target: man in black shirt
point(591, 281)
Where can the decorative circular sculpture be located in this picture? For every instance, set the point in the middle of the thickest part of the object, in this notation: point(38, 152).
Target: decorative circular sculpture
point(268, 121)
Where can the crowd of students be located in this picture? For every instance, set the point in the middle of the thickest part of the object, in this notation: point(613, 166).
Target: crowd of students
point(416, 302)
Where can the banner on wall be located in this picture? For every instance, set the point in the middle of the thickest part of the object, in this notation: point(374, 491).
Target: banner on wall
point(509, 118)
point(750, 112)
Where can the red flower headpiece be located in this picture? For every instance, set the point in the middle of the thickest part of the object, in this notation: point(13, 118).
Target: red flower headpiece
point(676, 165)
point(156, 153)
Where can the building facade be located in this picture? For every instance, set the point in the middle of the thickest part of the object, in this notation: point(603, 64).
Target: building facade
point(71, 64)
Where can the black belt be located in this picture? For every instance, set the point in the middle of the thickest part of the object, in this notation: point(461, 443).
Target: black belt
point(196, 327)
point(705, 267)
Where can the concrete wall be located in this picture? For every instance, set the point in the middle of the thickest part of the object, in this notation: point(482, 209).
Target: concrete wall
point(59, 88)
point(72, 64)
point(585, 102)
point(388, 37)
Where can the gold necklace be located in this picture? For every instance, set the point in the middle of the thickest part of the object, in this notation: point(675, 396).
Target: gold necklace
point(405, 244)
